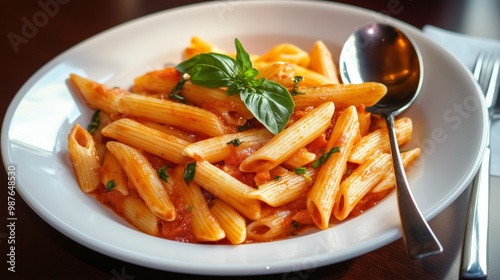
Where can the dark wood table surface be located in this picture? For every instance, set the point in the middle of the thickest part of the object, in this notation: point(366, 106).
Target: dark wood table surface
point(44, 253)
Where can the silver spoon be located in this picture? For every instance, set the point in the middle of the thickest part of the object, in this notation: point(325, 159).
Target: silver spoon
point(382, 53)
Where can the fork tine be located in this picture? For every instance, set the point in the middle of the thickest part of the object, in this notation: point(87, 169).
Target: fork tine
point(486, 72)
point(478, 66)
point(492, 91)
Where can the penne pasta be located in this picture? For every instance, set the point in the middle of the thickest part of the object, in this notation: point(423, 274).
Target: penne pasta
point(321, 61)
point(280, 72)
point(342, 95)
point(359, 183)
point(204, 224)
point(111, 171)
point(389, 181)
point(270, 227)
point(139, 215)
point(84, 157)
point(321, 198)
point(378, 141)
point(290, 140)
point(285, 53)
point(230, 220)
point(145, 179)
point(98, 96)
point(157, 82)
point(301, 158)
point(181, 156)
point(287, 188)
point(153, 141)
point(218, 148)
point(177, 114)
point(201, 96)
point(227, 188)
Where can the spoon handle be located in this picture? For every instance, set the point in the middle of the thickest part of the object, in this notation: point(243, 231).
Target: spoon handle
point(419, 239)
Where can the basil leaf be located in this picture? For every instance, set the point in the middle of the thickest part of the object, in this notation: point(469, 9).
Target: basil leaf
point(270, 103)
point(210, 70)
point(243, 61)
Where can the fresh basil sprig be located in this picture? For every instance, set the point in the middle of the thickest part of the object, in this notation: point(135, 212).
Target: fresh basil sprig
point(269, 102)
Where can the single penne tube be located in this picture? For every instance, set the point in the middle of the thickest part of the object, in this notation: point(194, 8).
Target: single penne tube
point(365, 121)
point(290, 140)
point(112, 174)
point(139, 215)
point(198, 46)
point(321, 61)
point(287, 188)
point(98, 96)
point(301, 158)
point(217, 148)
point(164, 111)
point(377, 141)
point(171, 130)
point(280, 72)
point(145, 179)
point(321, 197)
point(204, 224)
point(159, 82)
point(270, 227)
point(83, 155)
point(201, 96)
point(285, 53)
point(389, 181)
point(359, 183)
point(227, 188)
point(141, 137)
point(230, 220)
point(343, 95)
point(310, 78)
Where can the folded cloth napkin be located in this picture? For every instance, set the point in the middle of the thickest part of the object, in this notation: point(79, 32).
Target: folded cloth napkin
point(465, 49)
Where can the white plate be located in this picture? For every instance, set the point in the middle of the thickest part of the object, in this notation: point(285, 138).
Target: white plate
point(449, 120)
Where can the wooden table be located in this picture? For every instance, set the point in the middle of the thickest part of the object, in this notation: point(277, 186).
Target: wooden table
point(44, 253)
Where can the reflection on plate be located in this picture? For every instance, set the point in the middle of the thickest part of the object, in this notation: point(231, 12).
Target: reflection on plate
point(449, 120)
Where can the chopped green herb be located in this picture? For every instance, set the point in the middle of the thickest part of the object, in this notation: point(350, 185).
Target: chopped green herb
point(269, 102)
point(189, 172)
point(175, 94)
point(94, 122)
point(300, 170)
point(162, 174)
point(323, 158)
point(235, 142)
point(246, 126)
point(190, 208)
point(295, 224)
point(110, 185)
point(297, 80)
point(277, 178)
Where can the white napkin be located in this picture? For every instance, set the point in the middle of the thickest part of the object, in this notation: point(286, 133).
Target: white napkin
point(465, 49)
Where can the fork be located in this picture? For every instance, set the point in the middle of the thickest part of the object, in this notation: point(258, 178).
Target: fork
point(475, 248)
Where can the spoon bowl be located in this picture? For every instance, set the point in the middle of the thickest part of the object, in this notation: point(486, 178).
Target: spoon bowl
point(381, 53)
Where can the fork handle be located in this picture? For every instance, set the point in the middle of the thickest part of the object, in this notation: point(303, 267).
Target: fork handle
point(475, 248)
